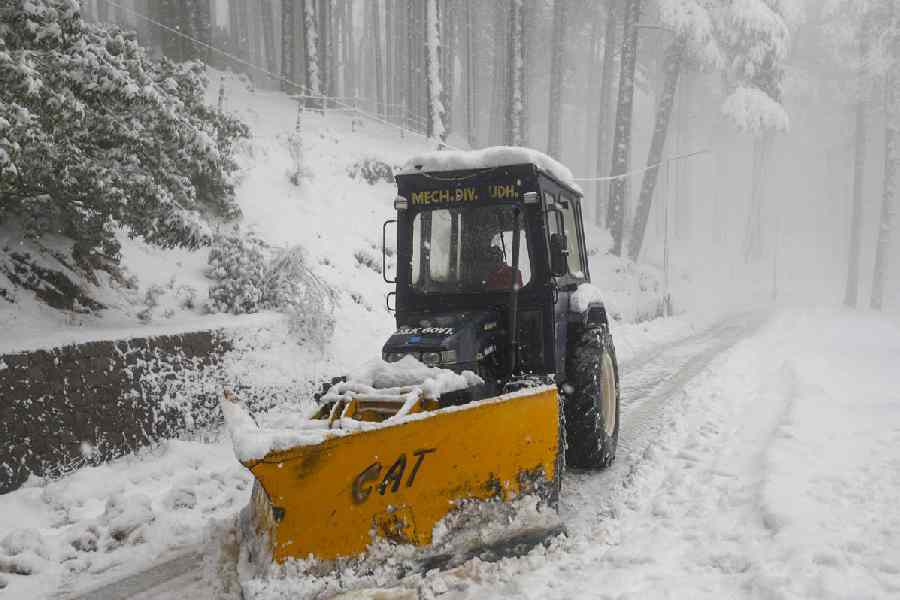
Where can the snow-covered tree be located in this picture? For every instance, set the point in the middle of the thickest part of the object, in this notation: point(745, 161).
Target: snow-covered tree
point(692, 24)
point(95, 135)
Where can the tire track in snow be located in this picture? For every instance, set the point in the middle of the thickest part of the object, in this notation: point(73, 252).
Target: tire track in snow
point(648, 383)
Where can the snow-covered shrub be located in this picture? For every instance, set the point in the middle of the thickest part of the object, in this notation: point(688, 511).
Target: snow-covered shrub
point(247, 281)
point(187, 296)
point(292, 287)
point(151, 301)
point(298, 170)
point(237, 264)
point(366, 258)
point(371, 170)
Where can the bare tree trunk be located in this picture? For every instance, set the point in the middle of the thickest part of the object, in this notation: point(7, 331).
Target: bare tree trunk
point(268, 31)
point(448, 61)
point(624, 114)
point(351, 75)
point(471, 77)
point(326, 79)
point(310, 35)
point(557, 68)
point(607, 83)
point(243, 31)
point(375, 15)
point(753, 243)
point(851, 292)
point(591, 90)
point(287, 44)
point(255, 28)
point(389, 39)
point(434, 89)
point(672, 69)
point(889, 186)
point(530, 49)
point(501, 18)
point(515, 76)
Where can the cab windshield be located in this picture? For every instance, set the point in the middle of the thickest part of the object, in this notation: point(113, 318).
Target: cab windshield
point(467, 250)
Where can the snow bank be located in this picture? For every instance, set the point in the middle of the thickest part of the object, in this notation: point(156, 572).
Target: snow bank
point(581, 300)
point(103, 523)
point(486, 158)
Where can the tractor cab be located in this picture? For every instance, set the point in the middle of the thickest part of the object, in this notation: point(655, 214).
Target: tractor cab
point(487, 259)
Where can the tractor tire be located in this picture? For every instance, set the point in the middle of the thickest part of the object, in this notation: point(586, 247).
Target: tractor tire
point(592, 404)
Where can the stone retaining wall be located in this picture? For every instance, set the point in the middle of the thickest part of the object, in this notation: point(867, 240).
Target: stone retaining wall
point(64, 407)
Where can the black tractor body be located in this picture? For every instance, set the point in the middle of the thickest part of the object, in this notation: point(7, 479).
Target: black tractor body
point(487, 261)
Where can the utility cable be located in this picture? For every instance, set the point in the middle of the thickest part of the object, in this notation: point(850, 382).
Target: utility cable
point(280, 78)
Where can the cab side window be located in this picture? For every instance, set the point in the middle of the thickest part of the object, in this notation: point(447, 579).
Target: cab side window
point(576, 268)
point(553, 221)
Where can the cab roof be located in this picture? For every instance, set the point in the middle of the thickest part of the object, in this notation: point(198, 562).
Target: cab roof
point(487, 158)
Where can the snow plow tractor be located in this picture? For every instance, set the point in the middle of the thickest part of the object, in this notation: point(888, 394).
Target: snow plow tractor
point(501, 371)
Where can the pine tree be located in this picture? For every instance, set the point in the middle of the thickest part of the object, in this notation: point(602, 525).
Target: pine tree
point(94, 133)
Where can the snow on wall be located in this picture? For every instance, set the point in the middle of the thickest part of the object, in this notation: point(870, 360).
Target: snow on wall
point(85, 403)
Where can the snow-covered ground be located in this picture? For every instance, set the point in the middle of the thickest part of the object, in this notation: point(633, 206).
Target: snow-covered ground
point(752, 464)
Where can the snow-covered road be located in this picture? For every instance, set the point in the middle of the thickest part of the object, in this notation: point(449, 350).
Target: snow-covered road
point(759, 458)
point(650, 380)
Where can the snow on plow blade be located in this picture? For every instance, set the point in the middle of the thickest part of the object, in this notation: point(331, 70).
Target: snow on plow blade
point(397, 481)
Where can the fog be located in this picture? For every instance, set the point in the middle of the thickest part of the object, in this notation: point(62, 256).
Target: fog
point(813, 63)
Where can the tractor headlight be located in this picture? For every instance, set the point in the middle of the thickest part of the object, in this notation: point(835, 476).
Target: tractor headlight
point(393, 357)
point(448, 357)
point(431, 358)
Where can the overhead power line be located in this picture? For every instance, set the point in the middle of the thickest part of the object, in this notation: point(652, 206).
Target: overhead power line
point(277, 77)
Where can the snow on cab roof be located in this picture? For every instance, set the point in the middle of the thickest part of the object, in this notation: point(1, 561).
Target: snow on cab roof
point(486, 158)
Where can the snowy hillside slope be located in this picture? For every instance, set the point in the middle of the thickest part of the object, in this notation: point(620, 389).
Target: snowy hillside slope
point(336, 218)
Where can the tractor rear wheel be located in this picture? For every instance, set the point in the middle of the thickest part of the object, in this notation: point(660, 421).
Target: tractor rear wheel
point(592, 404)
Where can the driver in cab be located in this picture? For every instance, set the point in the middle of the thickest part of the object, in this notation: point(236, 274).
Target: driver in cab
point(499, 274)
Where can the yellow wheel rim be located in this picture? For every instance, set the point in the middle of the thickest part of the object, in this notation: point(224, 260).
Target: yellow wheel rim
point(608, 377)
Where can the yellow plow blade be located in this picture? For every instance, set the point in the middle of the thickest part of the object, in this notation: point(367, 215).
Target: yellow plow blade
point(396, 482)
